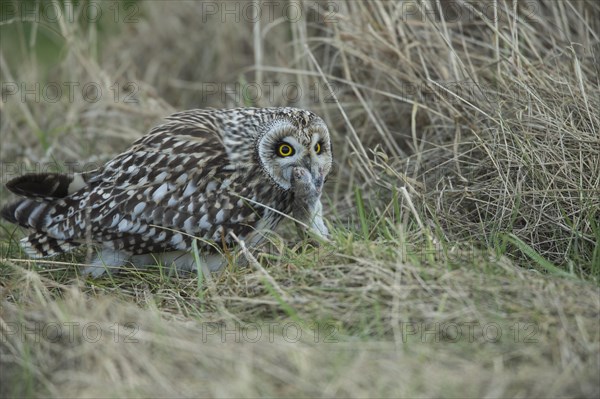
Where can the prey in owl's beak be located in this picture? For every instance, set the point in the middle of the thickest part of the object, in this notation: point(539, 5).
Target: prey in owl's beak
point(316, 173)
point(306, 206)
point(305, 184)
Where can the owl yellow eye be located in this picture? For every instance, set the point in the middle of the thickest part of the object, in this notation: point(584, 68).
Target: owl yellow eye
point(285, 150)
point(318, 148)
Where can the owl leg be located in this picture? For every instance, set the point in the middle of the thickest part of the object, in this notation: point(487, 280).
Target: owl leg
point(186, 261)
point(107, 260)
point(182, 260)
point(317, 225)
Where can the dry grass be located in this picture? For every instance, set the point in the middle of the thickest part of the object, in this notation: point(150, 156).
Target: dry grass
point(466, 193)
point(386, 329)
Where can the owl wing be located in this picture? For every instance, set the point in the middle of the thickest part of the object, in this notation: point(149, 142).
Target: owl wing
point(174, 184)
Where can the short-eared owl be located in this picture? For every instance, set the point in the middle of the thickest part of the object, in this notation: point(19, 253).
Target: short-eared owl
point(203, 174)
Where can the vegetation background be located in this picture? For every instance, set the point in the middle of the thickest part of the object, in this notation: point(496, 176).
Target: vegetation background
point(464, 205)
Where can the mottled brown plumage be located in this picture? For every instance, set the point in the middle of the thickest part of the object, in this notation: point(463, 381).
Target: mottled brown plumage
point(202, 174)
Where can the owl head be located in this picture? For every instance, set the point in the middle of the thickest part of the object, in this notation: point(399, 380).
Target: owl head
point(294, 138)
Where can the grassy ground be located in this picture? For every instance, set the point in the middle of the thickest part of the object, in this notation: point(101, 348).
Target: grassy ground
point(464, 204)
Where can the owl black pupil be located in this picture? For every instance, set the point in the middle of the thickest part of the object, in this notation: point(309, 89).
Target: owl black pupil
point(285, 150)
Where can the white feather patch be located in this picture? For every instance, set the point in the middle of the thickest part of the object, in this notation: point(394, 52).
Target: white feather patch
point(160, 193)
point(204, 224)
point(189, 189)
point(77, 184)
point(139, 208)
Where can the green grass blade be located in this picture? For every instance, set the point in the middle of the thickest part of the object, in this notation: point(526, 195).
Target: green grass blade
point(534, 256)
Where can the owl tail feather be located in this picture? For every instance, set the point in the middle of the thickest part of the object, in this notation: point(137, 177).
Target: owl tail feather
point(38, 245)
point(46, 186)
point(27, 213)
point(32, 214)
point(40, 190)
